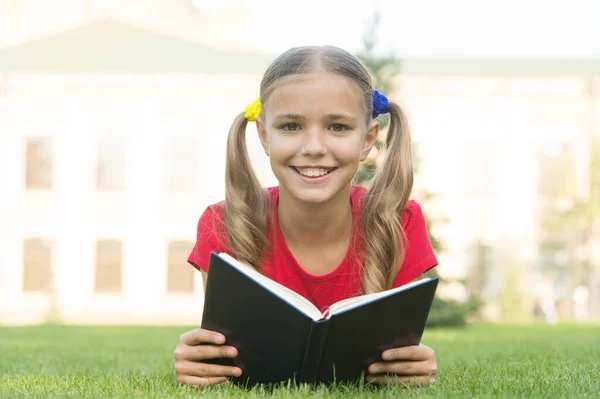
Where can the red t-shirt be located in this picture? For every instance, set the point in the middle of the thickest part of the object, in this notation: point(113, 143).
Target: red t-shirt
point(324, 290)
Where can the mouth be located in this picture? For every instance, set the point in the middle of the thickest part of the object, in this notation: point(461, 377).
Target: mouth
point(313, 172)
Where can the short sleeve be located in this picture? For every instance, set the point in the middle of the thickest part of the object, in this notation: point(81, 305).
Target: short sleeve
point(210, 237)
point(419, 256)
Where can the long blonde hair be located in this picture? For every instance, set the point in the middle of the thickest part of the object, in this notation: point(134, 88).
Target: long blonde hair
point(247, 204)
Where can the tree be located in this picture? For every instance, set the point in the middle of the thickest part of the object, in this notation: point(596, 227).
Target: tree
point(384, 69)
point(514, 301)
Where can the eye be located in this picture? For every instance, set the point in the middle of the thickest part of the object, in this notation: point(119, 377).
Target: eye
point(291, 127)
point(338, 127)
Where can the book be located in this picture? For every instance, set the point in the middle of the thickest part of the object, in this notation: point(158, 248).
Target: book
point(281, 336)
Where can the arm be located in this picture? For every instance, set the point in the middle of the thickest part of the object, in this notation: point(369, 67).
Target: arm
point(204, 279)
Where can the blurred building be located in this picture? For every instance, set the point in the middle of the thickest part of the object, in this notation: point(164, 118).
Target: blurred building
point(111, 145)
point(503, 144)
point(112, 134)
point(197, 21)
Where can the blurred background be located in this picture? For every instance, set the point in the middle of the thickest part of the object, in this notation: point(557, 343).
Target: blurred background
point(114, 114)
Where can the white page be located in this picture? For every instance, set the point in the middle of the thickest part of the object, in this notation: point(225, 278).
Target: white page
point(352, 303)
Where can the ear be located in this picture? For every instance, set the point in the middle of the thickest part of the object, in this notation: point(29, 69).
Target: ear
point(369, 142)
point(262, 134)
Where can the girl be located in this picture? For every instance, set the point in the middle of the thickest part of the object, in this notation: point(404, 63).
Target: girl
point(316, 233)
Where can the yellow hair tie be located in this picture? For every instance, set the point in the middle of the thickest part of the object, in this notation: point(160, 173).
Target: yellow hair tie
point(253, 110)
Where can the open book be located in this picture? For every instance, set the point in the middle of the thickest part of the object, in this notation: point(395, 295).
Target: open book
point(280, 335)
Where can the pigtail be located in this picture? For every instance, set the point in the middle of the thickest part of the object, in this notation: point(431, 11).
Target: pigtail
point(382, 234)
point(246, 202)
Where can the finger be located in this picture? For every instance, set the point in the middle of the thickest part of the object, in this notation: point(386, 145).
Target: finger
point(206, 370)
point(204, 352)
point(418, 381)
point(200, 381)
point(420, 352)
point(401, 368)
point(200, 336)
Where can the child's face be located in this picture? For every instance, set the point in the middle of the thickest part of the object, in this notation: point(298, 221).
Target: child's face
point(315, 133)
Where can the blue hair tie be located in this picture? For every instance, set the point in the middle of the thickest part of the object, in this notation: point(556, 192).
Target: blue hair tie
point(381, 105)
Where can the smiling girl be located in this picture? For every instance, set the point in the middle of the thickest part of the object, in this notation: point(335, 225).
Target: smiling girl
point(316, 233)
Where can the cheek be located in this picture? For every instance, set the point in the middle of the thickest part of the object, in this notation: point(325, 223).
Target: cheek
point(282, 147)
point(348, 148)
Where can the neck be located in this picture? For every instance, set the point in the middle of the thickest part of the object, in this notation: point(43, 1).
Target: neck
point(315, 224)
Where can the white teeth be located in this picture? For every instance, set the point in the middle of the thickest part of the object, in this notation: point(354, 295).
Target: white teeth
point(313, 172)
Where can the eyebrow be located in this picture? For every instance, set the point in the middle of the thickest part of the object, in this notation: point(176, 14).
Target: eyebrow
point(340, 116)
point(296, 117)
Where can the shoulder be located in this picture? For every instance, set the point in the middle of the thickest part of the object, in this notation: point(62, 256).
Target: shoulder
point(413, 214)
point(214, 213)
point(211, 233)
point(210, 226)
point(419, 255)
point(210, 236)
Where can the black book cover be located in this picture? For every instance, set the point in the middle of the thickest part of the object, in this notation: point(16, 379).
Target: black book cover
point(269, 334)
point(356, 338)
point(277, 342)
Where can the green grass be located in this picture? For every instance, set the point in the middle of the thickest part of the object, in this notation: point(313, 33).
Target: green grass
point(478, 361)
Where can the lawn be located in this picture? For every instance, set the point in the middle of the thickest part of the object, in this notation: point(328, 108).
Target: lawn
point(478, 361)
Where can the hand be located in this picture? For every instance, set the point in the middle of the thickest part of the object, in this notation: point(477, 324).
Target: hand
point(412, 365)
point(190, 353)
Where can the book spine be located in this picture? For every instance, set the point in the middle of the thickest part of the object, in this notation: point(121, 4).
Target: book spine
point(317, 338)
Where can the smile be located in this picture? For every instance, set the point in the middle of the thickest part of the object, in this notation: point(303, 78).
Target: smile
point(314, 172)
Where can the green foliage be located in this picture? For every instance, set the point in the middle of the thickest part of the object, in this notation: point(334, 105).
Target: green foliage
point(513, 299)
point(383, 69)
point(365, 173)
point(451, 313)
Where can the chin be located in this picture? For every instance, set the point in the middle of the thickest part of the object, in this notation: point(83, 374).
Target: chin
point(316, 198)
point(315, 195)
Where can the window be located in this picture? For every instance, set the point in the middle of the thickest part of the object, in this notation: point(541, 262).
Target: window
point(38, 157)
point(180, 277)
point(183, 167)
point(110, 172)
point(37, 261)
point(109, 255)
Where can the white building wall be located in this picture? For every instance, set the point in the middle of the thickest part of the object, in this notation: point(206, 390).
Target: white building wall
point(145, 216)
point(478, 139)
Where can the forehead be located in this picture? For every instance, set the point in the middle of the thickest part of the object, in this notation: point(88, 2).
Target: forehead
point(313, 92)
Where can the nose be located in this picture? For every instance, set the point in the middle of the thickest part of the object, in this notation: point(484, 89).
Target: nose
point(314, 142)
